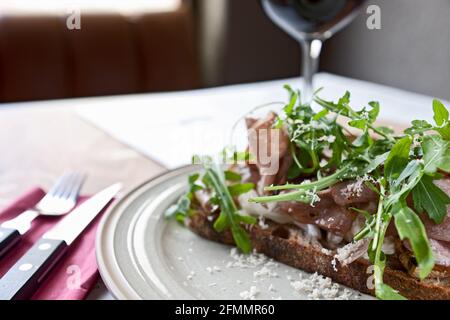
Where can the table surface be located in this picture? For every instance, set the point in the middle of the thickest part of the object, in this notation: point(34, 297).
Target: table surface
point(40, 140)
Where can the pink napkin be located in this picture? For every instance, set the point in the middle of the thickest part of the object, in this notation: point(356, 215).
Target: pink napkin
point(75, 275)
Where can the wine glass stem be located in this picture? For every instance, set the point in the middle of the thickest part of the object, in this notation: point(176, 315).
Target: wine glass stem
point(311, 52)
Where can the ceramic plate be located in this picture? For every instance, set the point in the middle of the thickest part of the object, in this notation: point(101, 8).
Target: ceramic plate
point(141, 255)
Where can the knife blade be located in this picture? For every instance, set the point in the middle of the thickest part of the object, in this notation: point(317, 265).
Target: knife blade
point(22, 280)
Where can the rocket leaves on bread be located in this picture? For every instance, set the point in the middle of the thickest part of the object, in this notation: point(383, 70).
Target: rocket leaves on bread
point(400, 168)
point(401, 165)
point(223, 186)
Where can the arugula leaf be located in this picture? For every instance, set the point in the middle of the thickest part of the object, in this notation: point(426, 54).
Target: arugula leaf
point(245, 218)
point(410, 227)
point(240, 188)
point(364, 141)
point(294, 171)
point(418, 127)
point(385, 292)
point(375, 111)
point(229, 215)
point(381, 222)
point(435, 153)
point(385, 130)
point(278, 124)
point(232, 176)
point(320, 114)
point(339, 147)
point(445, 165)
point(191, 180)
point(289, 89)
point(359, 124)
point(182, 208)
point(345, 99)
point(397, 159)
point(241, 238)
point(221, 223)
point(430, 198)
point(411, 168)
point(376, 162)
point(441, 118)
point(441, 114)
point(444, 131)
point(289, 108)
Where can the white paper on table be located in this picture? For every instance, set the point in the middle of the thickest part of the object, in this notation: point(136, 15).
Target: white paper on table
point(171, 127)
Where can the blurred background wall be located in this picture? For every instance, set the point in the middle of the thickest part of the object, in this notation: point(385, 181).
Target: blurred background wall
point(115, 47)
point(139, 47)
point(411, 51)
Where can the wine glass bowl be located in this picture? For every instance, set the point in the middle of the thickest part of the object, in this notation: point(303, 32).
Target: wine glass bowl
point(311, 22)
point(312, 19)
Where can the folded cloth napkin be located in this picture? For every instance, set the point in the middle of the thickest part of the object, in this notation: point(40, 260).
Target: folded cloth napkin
point(76, 274)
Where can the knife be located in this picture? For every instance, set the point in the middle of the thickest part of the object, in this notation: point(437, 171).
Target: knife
point(22, 280)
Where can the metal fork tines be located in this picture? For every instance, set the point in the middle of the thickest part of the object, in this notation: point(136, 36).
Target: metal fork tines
point(60, 199)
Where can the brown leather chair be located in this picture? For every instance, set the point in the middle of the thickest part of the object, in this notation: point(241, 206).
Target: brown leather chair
point(40, 58)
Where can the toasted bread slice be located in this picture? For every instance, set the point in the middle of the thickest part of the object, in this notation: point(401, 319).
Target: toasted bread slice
point(289, 245)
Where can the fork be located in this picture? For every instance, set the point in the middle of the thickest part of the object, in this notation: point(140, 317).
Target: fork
point(60, 199)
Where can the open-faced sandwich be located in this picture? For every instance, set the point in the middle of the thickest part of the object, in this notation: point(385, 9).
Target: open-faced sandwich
point(353, 201)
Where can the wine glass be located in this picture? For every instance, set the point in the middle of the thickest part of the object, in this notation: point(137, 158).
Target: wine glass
point(311, 22)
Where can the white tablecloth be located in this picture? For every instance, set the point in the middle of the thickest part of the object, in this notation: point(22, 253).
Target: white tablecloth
point(171, 127)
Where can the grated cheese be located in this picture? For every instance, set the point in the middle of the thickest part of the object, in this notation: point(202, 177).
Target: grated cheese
point(191, 275)
point(313, 286)
point(314, 197)
point(246, 260)
point(333, 264)
point(319, 287)
point(265, 272)
point(352, 251)
point(214, 269)
point(356, 188)
point(329, 139)
point(250, 294)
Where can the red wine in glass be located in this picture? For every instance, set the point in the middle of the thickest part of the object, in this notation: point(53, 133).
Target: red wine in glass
point(311, 22)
